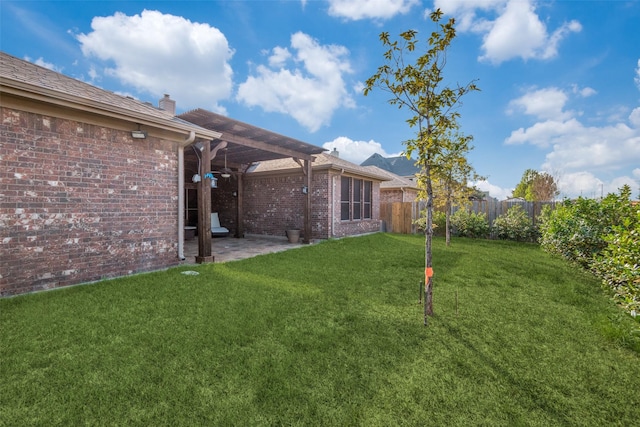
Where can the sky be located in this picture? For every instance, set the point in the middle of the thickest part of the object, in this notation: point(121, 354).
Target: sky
point(559, 80)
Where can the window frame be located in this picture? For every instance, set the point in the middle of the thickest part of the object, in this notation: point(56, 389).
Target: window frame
point(356, 196)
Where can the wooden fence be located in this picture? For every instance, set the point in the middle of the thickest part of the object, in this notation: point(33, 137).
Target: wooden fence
point(399, 217)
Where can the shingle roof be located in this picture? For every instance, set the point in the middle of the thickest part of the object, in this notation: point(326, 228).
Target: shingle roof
point(322, 161)
point(395, 181)
point(399, 165)
point(26, 79)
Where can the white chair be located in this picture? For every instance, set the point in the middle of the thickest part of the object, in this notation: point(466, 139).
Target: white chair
point(216, 229)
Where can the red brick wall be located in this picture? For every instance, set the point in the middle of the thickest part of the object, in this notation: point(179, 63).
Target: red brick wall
point(274, 203)
point(79, 203)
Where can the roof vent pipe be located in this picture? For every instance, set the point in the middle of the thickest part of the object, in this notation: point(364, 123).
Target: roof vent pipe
point(335, 152)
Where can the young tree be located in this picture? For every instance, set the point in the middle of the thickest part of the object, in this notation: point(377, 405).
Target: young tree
point(433, 105)
point(452, 173)
point(536, 186)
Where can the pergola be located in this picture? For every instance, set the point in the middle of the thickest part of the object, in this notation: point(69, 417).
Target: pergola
point(240, 146)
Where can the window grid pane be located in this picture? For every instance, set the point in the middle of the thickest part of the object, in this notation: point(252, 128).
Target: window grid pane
point(367, 200)
point(345, 199)
point(357, 199)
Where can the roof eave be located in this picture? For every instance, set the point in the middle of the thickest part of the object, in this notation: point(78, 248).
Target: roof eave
point(66, 100)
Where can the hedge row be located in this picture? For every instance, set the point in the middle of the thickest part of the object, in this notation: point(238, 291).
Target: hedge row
point(602, 236)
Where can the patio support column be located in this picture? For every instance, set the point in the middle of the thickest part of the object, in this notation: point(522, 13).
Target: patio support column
point(204, 208)
point(307, 201)
point(240, 208)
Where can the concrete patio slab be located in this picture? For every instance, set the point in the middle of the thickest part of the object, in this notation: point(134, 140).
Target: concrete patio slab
point(230, 248)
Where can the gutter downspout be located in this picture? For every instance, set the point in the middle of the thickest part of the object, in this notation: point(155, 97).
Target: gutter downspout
point(188, 141)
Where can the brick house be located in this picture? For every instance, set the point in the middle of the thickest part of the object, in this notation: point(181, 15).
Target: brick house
point(345, 197)
point(82, 196)
point(96, 185)
point(396, 188)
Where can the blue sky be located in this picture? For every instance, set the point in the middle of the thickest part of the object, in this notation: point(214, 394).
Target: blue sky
point(559, 80)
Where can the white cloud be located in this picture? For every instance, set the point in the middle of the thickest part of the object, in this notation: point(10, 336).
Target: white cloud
point(93, 73)
point(636, 173)
point(494, 190)
point(160, 53)
point(544, 133)
point(634, 118)
point(465, 12)
point(310, 91)
point(584, 92)
point(577, 184)
point(280, 56)
point(616, 184)
point(356, 151)
point(516, 32)
point(42, 63)
point(369, 9)
point(543, 103)
point(587, 185)
point(577, 150)
point(637, 77)
point(603, 148)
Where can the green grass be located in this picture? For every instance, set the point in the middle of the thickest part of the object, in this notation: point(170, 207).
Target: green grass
point(329, 334)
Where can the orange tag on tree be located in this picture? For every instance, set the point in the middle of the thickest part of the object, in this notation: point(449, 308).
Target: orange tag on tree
point(428, 272)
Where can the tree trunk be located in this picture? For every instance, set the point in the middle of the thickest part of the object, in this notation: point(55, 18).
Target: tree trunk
point(448, 222)
point(428, 284)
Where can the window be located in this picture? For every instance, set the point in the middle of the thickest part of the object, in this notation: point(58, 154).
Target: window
point(355, 199)
point(366, 206)
point(345, 185)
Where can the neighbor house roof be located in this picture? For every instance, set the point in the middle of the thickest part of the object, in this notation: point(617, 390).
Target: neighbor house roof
point(322, 161)
point(27, 81)
point(395, 181)
point(399, 165)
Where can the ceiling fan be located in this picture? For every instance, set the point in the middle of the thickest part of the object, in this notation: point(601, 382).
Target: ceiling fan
point(225, 172)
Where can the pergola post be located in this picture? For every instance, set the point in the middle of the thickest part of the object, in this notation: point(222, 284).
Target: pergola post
point(204, 208)
point(307, 201)
point(240, 209)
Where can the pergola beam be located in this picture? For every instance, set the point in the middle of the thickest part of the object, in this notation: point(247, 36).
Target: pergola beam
point(240, 140)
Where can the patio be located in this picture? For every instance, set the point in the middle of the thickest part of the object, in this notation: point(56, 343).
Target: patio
point(231, 249)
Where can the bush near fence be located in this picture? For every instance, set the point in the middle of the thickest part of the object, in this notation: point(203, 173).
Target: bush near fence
point(400, 217)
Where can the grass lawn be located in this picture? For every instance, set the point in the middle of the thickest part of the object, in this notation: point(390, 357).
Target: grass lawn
point(329, 334)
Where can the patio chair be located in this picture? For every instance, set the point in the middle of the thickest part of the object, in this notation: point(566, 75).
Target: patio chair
point(216, 229)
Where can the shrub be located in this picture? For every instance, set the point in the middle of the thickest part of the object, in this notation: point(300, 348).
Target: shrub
point(515, 224)
point(577, 229)
point(574, 231)
point(619, 263)
point(438, 221)
point(469, 224)
point(603, 236)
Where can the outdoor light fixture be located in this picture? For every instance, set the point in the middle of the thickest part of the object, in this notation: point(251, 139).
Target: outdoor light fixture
point(138, 133)
point(196, 178)
point(305, 189)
